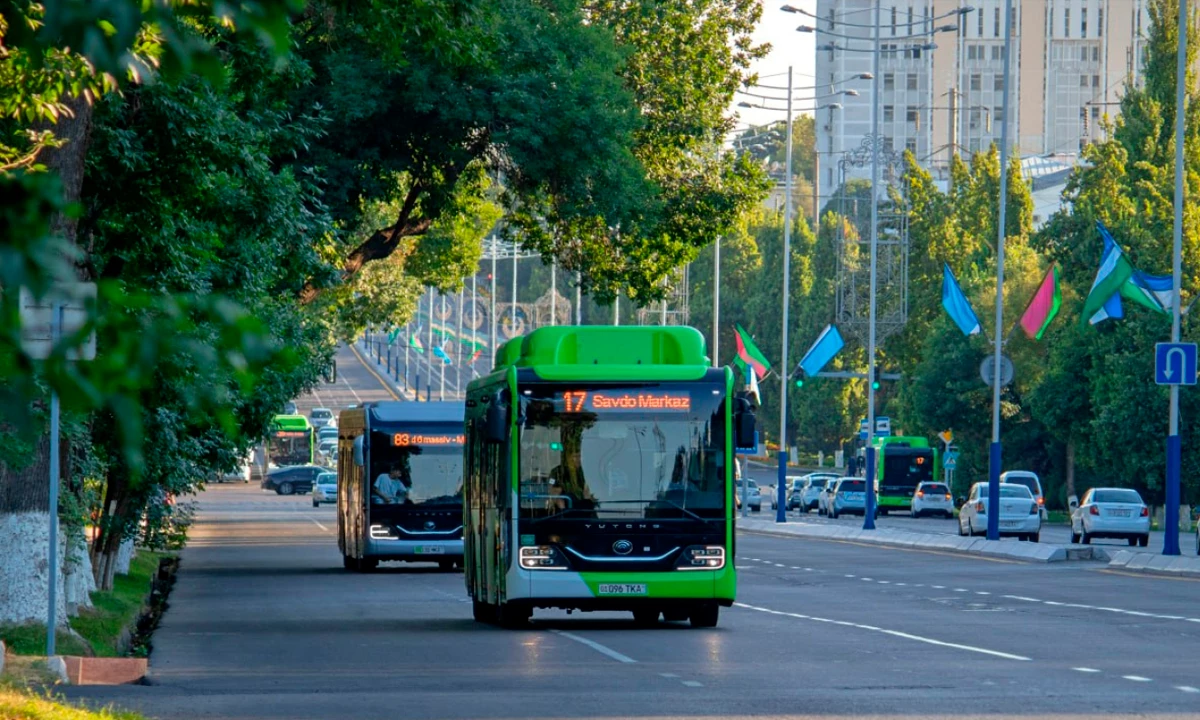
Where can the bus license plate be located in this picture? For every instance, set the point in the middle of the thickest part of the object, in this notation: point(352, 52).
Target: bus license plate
point(622, 588)
point(431, 550)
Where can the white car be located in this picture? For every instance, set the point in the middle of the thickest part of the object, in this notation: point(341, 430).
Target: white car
point(932, 498)
point(325, 489)
point(809, 496)
point(1020, 514)
point(1030, 480)
point(1111, 513)
point(322, 417)
point(753, 495)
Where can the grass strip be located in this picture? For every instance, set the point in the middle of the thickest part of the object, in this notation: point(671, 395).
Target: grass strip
point(24, 705)
point(99, 629)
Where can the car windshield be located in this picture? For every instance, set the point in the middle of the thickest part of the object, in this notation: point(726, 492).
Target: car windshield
point(327, 479)
point(852, 486)
point(1014, 491)
point(321, 414)
point(605, 451)
point(1117, 496)
point(1025, 481)
point(936, 489)
point(818, 482)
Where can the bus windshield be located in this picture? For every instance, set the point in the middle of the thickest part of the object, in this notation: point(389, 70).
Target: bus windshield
point(290, 447)
point(622, 452)
point(906, 467)
point(414, 468)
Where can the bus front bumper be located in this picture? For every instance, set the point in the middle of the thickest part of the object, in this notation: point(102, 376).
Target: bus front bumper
point(415, 550)
point(621, 590)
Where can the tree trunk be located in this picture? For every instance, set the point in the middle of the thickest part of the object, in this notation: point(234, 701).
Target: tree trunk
point(118, 503)
point(25, 492)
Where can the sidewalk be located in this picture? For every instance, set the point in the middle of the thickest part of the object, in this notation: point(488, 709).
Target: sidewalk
point(369, 361)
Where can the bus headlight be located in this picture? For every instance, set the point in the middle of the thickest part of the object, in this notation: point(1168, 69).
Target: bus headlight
point(542, 557)
point(381, 532)
point(701, 557)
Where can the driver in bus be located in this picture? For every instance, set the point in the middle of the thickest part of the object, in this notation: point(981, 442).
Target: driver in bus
point(390, 488)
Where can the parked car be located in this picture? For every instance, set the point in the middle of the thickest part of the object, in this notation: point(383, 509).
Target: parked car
point(793, 483)
point(290, 480)
point(932, 498)
point(1117, 513)
point(753, 496)
point(1019, 512)
point(322, 418)
point(1031, 481)
point(848, 497)
point(809, 495)
point(325, 489)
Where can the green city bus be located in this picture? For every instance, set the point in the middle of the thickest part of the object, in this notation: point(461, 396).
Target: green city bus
point(290, 441)
point(902, 463)
point(599, 476)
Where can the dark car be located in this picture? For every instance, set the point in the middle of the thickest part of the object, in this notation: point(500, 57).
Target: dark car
point(291, 480)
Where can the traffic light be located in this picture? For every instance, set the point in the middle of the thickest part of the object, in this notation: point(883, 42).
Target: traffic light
point(875, 385)
point(799, 382)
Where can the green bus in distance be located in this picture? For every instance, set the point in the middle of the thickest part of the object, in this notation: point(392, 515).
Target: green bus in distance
point(290, 441)
point(902, 463)
point(599, 476)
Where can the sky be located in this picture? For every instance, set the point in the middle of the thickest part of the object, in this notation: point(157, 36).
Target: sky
point(788, 47)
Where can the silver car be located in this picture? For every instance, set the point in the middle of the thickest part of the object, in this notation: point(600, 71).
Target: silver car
point(1019, 514)
point(325, 489)
point(848, 497)
point(322, 417)
point(809, 497)
point(1111, 513)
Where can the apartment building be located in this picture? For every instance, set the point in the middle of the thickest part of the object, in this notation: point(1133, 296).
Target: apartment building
point(1071, 60)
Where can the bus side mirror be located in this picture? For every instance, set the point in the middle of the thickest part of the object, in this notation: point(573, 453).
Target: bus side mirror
point(495, 425)
point(743, 424)
point(358, 451)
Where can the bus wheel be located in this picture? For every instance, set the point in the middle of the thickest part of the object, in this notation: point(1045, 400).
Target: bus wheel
point(675, 615)
point(367, 565)
point(646, 617)
point(482, 612)
point(347, 562)
point(705, 616)
point(445, 565)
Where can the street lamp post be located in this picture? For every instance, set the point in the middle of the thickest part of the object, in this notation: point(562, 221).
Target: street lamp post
point(993, 520)
point(781, 486)
point(869, 485)
point(1171, 516)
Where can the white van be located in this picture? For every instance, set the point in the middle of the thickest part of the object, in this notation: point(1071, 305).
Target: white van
point(1030, 480)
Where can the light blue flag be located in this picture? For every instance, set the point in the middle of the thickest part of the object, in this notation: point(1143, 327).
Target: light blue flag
point(442, 354)
point(828, 344)
point(956, 304)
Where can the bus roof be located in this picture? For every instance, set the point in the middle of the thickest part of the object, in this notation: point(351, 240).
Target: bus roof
point(396, 412)
point(290, 422)
point(914, 442)
point(569, 352)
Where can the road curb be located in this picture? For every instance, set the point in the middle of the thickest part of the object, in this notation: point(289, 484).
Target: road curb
point(1152, 564)
point(1009, 549)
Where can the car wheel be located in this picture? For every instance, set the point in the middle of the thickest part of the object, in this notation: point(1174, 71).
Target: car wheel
point(1035, 537)
point(286, 488)
point(1144, 541)
point(1133, 541)
point(315, 503)
point(1085, 538)
point(961, 531)
point(833, 514)
point(1074, 536)
point(705, 616)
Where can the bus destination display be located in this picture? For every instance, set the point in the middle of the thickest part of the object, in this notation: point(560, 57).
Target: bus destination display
point(574, 401)
point(409, 439)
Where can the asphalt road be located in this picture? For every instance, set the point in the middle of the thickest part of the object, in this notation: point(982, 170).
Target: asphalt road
point(1059, 534)
point(265, 623)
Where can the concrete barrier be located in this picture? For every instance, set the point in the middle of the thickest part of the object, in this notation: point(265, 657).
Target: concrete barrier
point(1179, 565)
point(104, 671)
point(1009, 548)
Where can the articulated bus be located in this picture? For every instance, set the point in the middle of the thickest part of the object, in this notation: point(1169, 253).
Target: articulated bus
point(290, 441)
point(400, 484)
point(902, 463)
point(599, 465)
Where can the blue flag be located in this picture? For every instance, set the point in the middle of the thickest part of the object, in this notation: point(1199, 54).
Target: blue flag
point(828, 344)
point(442, 354)
point(956, 304)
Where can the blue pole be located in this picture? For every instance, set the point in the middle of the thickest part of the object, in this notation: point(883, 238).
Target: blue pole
point(993, 506)
point(1171, 520)
point(869, 491)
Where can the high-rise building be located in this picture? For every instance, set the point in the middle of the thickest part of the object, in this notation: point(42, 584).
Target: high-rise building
point(1071, 61)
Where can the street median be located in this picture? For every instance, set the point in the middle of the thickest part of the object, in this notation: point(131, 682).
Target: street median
point(1010, 549)
point(1155, 564)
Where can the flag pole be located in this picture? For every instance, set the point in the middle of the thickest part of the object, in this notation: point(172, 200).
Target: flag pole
point(780, 490)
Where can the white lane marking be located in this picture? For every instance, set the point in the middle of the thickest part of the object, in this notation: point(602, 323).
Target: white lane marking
point(778, 565)
point(900, 584)
point(319, 525)
point(960, 589)
point(1187, 688)
point(883, 582)
point(919, 585)
point(1085, 670)
point(1101, 608)
point(793, 567)
point(1136, 678)
point(938, 587)
point(982, 592)
point(893, 633)
point(850, 576)
point(596, 646)
point(866, 579)
point(808, 569)
point(693, 683)
point(350, 387)
point(668, 675)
